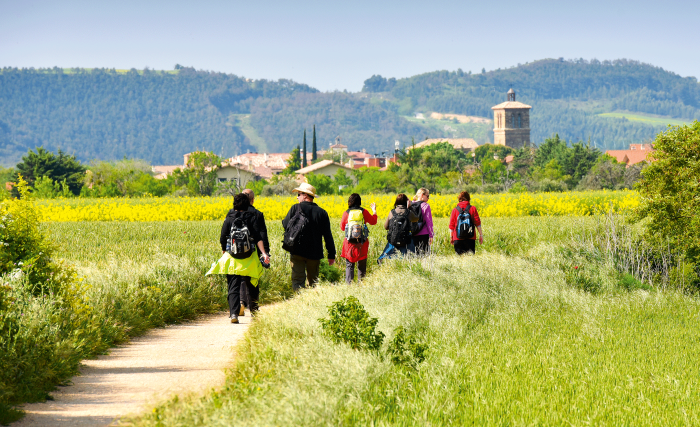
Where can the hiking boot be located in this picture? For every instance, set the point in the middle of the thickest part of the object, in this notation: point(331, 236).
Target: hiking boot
point(241, 312)
point(234, 319)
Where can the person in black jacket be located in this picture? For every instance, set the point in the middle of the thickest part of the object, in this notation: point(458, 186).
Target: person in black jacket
point(241, 203)
point(262, 229)
point(260, 220)
point(306, 256)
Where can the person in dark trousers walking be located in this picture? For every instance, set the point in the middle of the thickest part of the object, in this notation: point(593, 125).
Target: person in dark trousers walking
point(356, 253)
point(262, 229)
point(392, 248)
point(306, 255)
point(245, 262)
point(465, 245)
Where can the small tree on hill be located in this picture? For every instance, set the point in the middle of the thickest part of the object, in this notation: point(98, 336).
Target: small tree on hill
point(314, 156)
point(294, 162)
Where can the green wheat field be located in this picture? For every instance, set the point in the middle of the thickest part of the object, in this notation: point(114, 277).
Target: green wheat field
point(540, 327)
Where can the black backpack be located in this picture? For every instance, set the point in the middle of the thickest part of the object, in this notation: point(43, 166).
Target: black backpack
point(240, 243)
point(399, 233)
point(465, 225)
point(294, 230)
point(417, 211)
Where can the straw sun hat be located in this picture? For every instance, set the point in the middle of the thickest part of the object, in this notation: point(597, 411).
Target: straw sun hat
point(306, 188)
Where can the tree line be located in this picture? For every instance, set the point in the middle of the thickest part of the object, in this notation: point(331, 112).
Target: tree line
point(555, 166)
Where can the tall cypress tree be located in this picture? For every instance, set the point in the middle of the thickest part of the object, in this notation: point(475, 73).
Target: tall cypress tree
point(303, 153)
point(314, 157)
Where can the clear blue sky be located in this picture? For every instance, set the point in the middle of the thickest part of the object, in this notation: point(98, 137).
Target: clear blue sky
point(337, 45)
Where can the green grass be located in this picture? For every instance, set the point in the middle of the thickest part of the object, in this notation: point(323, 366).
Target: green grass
point(509, 344)
point(512, 341)
point(477, 314)
point(645, 118)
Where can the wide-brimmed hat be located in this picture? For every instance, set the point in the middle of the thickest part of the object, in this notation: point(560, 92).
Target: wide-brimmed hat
point(306, 188)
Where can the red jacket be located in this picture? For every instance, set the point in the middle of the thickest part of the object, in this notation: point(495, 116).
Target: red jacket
point(354, 252)
point(453, 220)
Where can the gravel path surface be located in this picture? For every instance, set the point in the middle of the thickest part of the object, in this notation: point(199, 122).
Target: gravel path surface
point(178, 359)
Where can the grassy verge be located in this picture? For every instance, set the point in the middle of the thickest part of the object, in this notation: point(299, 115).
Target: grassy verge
point(541, 328)
point(511, 342)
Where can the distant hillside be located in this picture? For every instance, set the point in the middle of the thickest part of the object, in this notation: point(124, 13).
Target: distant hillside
point(105, 114)
point(566, 96)
point(158, 116)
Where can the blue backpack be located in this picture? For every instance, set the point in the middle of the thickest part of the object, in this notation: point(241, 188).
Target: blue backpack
point(465, 225)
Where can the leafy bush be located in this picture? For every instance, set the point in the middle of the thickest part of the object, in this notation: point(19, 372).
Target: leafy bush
point(670, 191)
point(329, 273)
point(349, 322)
point(580, 278)
point(405, 350)
point(550, 186)
point(631, 283)
point(40, 300)
point(25, 250)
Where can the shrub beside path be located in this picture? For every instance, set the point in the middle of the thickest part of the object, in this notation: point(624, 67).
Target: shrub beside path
point(175, 360)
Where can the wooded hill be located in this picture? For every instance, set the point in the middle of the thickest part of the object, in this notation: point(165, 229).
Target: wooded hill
point(158, 116)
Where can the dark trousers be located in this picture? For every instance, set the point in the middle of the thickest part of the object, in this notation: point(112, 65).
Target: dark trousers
point(303, 269)
point(244, 296)
point(465, 246)
point(235, 283)
point(350, 270)
point(422, 244)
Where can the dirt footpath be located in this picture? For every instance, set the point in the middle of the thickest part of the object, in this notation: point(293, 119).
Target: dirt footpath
point(178, 359)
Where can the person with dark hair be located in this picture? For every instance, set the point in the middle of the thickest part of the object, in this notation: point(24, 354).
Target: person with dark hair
point(306, 254)
point(463, 222)
point(356, 243)
point(398, 226)
point(262, 229)
point(239, 238)
point(422, 232)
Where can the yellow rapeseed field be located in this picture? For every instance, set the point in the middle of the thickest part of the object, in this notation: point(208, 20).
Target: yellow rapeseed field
point(275, 208)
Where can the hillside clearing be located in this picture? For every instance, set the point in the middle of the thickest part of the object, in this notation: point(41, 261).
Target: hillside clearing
point(649, 119)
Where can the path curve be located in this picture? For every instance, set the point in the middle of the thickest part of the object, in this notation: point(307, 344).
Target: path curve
point(177, 359)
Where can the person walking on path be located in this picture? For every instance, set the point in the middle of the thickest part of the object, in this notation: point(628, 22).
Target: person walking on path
point(355, 249)
point(467, 244)
point(306, 254)
point(262, 229)
point(243, 268)
point(423, 235)
point(398, 226)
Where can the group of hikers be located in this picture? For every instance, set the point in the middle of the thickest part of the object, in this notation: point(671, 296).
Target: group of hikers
point(246, 248)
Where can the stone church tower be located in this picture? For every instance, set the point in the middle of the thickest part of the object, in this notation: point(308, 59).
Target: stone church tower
point(511, 123)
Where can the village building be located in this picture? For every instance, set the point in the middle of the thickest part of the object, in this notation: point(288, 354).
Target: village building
point(511, 123)
point(324, 167)
point(228, 171)
point(265, 164)
point(235, 173)
point(637, 153)
point(463, 144)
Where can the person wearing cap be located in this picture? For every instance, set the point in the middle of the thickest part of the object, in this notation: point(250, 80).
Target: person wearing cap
point(306, 256)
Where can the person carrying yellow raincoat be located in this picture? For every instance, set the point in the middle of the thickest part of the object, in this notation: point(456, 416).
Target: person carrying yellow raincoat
point(240, 262)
